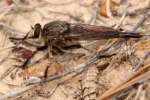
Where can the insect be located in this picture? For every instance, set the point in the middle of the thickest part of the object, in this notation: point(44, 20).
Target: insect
point(60, 33)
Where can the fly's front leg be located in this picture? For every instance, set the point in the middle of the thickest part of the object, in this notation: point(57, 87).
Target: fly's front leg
point(50, 47)
point(30, 42)
point(50, 44)
point(34, 43)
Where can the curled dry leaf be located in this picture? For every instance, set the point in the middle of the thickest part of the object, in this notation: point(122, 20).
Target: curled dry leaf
point(54, 69)
point(103, 6)
point(42, 69)
point(36, 70)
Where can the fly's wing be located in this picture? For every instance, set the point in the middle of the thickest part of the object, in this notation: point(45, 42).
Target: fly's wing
point(92, 32)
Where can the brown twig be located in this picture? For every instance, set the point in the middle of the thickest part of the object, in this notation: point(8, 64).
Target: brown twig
point(15, 93)
point(130, 95)
point(138, 92)
point(108, 9)
point(141, 21)
point(61, 82)
point(136, 77)
point(7, 72)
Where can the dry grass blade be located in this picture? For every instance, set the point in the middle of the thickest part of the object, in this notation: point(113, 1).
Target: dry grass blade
point(7, 72)
point(15, 93)
point(138, 92)
point(121, 19)
point(139, 75)
point(130, 95)
point(108, 9)
point(141, 21)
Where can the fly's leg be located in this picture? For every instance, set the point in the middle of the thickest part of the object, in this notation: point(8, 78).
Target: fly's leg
point(50, 47)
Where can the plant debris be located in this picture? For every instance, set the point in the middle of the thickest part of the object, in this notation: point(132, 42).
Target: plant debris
point(75, 62)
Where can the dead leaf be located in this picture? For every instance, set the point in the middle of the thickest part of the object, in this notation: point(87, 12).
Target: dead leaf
point(54, 69)
point(36, 70)
point(103, 7)
point(42, 69)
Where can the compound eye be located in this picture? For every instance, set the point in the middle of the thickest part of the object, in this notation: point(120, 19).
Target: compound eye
point(37, 26)
point(37, 30)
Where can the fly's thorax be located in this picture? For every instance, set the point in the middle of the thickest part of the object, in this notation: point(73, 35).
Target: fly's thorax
point(55, 28)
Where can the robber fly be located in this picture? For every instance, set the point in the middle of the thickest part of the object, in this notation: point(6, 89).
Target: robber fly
point(57, 33)
point(61, 30)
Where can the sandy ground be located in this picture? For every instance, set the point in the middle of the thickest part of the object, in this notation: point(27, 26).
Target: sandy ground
point(16, 19)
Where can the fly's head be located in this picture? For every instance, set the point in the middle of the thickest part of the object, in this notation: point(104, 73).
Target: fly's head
point(37, 30)
point(52, 32)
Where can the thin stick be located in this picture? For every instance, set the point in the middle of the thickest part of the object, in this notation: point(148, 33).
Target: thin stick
point(15, 93)
point(141, 62)
point(61, 82)
point(108, 9)
point(138, 92)
point(141, 21)
point(121, 19)
point(130, 95)
point(7, 72)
